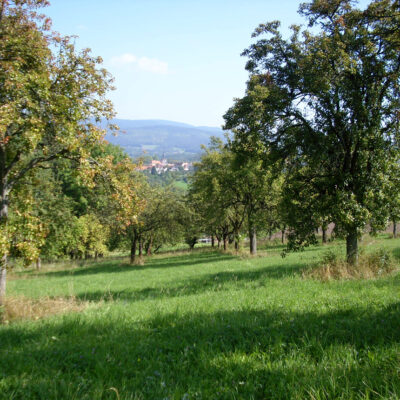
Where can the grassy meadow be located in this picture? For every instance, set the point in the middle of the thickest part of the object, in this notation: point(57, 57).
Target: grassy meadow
point(205, 325)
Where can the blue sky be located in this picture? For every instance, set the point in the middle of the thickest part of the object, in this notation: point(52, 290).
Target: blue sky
point(171, 59)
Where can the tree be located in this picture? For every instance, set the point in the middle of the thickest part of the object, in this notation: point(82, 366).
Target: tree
point(212, 191)
point(392, 198)
point(257, 187)
point(330, 103)
point(47, 100)
point(157, 222)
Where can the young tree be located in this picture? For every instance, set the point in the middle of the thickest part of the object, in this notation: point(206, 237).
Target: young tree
point(47, 100)
point(330, 104)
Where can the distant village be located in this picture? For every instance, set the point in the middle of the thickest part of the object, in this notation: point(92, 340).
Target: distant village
point(159, 167)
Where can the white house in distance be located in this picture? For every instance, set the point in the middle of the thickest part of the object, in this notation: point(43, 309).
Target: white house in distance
point(164, 166)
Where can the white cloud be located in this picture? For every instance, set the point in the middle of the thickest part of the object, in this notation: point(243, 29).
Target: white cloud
point(125, 59)
point(153, 65)
point(143, 63)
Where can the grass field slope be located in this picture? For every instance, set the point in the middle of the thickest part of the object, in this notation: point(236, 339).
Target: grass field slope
point(206, 325)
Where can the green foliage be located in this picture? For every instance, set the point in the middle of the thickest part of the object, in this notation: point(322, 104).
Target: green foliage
point(324, 105)
point(49, 93)
point(230, 191)
point(90, 236)
point(26, 230)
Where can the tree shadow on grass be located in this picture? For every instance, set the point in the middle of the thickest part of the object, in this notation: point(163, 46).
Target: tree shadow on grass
point(218, 281)
point(152, 263)
point(246, 354)
point(396, 253)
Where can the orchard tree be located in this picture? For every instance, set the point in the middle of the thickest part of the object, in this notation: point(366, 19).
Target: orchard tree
point(214, 191)
point(392, 198)
point(257, 185)
point(329, 104)
point(47, 100)
point(157, 222)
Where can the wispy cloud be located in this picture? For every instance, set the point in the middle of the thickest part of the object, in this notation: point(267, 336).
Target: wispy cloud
point(143, 63)
point(153, 65)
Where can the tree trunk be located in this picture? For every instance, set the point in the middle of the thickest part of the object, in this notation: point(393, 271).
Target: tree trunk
point(3, 262)
point(3, 279)
point(149, 246)
point(253, 241)
point(324, 236)
point(352, 247)
point(394, 228)
point(39, 263)
point(283, 235)
point(212, 241)
point(270, 235)
point(225, 242)
point(133, 250)
point(140, 248)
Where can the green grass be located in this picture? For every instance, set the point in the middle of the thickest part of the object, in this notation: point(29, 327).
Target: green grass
point(207, 325)
point(181, 185)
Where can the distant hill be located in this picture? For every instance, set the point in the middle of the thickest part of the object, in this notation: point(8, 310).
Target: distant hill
point(175, 140)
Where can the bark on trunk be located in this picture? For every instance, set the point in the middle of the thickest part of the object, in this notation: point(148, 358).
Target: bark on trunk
point(39, 263)
point(283, 236)
point(3, 279)
point(225, 242)
point(324, 236)
point(212, 241)
point(352, 247)
point(394, 229)
point(140, 248)
point(133, 250)
point(3, 262)
point(150, 246)
point(253, 241)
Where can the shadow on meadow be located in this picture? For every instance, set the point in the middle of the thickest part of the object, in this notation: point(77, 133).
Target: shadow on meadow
point(211, 282)
point(152, 263)
point(396, 253)
point(224, 355)
point(196, 258)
